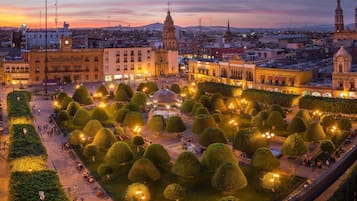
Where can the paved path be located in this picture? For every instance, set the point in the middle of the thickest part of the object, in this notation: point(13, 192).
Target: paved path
point(4, 166)
point(61, 161)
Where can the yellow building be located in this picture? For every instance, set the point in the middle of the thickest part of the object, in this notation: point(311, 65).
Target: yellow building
point(66, 65)
point(15, 73)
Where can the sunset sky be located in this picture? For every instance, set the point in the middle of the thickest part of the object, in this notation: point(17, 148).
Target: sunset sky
point(241, 13)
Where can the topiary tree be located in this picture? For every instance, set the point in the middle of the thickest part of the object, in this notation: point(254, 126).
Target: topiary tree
point(327, 146)
point(275, 120)
point(314, 132)
point(249, 140)
point(271, 181)
point(156, 123)
point(81, 117)
point(175, 88)
point(229, 178)
point(100, 114)
point(102, 90)
point(131, 106)
point(187, 105)
point(201, 110)
point(81, 95)
point(187, 166)
point(212, 135)
point(264, 160)
point(217, 118)
point(119, 154)
point(205, 101)
point(152, 87)
point(327, 121)
point(174, 192)
point(344, 124)
point(263, 115)
point(104, 170)
point(195, 107)
point(62, 116)
point(305, 115)
point(144, 171)
point(252, 105)
point(64, 102)
point(297, 125)
point(216, 155)
point(104, 139)
point(60, 96)
point(126, 88)
point(120, 115)
point(121, 95)
point(136, 191)
point(257, 122)
point(175, 125)
point(202, 122)
point(90, 151)
point(72, 108)
point(276, 107)
point(133, 119)
point(294, 146)
point(218, 104)
point(91, 128)
point(140, 99)
point(75, 137)
point(138, 141)
point(157, 154)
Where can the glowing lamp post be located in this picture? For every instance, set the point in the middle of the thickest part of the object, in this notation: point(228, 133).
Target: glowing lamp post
point(233, 123)
point(137, 130)
point(274, 179)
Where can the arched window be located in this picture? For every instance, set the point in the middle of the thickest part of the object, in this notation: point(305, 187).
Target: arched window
point(340, 68)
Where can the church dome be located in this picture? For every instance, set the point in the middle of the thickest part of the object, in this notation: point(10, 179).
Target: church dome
point(342, 52)
point(164, 96)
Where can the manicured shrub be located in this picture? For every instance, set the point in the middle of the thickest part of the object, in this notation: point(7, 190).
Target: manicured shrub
point(90, 151)
point(105, 170)
point(138, 141)
point(60, 96)
point(187, 166)
point(344, 124)
point(75, 137)
point(131, 192)
point(202, 122)
point(133, 119)
point(205, 101)
point(264, 160)
point(100, 114)
point(120, 115)
point(297, 125)
point(229, 198)
point(157, 154)
point(195, 107)
point(140, 99)
point(104, 139)
point(65, 102)
point(81, 95)
point(175, 125)
point(219, 104)
point(121, 95)
point(268, 97)
point(174, 192)
point(156, 123)
point(152, 87)
point(118, 154)
point(304, 115)
point(91, 128)
point(126, 88)
point(334, 105)
point(229, 178)
point(131, 106)
point(327, 121)
point(175, 88)
point(224, 89)
point(143, 170)
point(252, 105)
point(314, 133)
point(270, 181)
point(187, 105)
point(294, 146)
point(275, 120)
point(212, 135)
point(249, 140)
point(201, 110)
point(72, 108)
point(276, 107)
point(327, 146)
point(102, 90)
point(81, 117)
point(216, 155)
point(62, 116)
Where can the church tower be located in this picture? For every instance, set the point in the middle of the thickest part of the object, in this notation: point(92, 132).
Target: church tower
point(169, 33)
point(343, 79)
point(356, 19)
point(339, 26)
point(228, 34)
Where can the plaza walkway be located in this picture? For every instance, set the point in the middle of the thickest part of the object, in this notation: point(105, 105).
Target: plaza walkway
point(4, 137)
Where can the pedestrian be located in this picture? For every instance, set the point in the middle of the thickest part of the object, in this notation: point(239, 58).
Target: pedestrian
point(327, 163)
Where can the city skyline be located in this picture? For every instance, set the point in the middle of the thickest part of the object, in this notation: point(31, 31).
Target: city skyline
point(252, 14)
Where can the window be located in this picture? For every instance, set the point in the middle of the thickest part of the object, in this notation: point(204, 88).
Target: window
point(87, 77)
point(125, 59)
point(139, 59)
point(131, 59)
point(125, 53)
point(37, 69)
point(117, 68)
point(132, 53)
point(96, 76)
point(132, 67)
point(37, 78)
point(125, 67)
point(76, 77)
point(340, 68)
point(96, 58)
point(139, 66)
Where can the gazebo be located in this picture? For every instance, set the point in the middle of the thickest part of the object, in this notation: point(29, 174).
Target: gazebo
point(165, 103)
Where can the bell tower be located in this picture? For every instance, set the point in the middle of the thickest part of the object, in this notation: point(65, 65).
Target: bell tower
point(339, 25)
point(169, 33)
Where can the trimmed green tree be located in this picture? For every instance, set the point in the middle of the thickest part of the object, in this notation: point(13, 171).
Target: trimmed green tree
point(297, 125)
point(205, 101)
point(72, 108)
point(81, 95)
point(81, 117)
point(102, 90)
point(314, 133)
point(75, 137)
point(138, 141)
point(133, 119)
point(212, 135)
point(121, 95)
point(175, 125)
point(344, 124)
point(104, 139)
point(264, 160)
point(119, 154)
point(157, 154)
point(276, 107)
point(62, 116)
point(327, 146)
point(174, 192)
point(216, 155)
point(305, 115)
point(139, 98)
point(187, 166)
point(187, 105)
point(91, 128)
point(175, 88)
point(229, 178)
point(100, 114)
point(65, 101)
point(229, 198)
point(202, 122)
point(294, 146)
point(131, 192)
point(143, 170)
point(249, 140)
point(218, 104)
point(156, 123)
point(201, 110)
point(104, 170)
point(90, 151)
point(275, 120)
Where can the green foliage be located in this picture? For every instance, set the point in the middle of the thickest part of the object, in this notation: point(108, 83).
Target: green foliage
point(90, 151)
point(18, 105)
point(201, 110)
point(72, 108)
point(121, 95)
point(225, 90)
point(205, 101)
point(62, 116)
point(91, 128)
point(268, 97)
point(175, 88)
point(294, 146)
point(344, 124)
point(26, 185)
point(252, 105)
point(175, 125)
point(212, 135)
point(131, 106)
point(65, 102)
point(174, 192)
point(187, 166)
point(257, 121)
point(100, 114)
point(104, 139)
point(131, 195)
point(229, 178)
point(81, 117)
point(143, 170)
point(187, 105)
point(195, 107)
point(156, 123)
point(270, 181)
point(23, 164)
point(327, 146)
point(202, 122)
point(314, 132)
point(157, 154)
point(198, 94)
point(140, 99)
point(138, 140)
point(104, 170)
point(276, 107)
point(249, 140)
point(264, 160)
point(60, 96)
point(216, 155)
point(75, 137)
point(263, 115)
point(133, 119)
point(102, 90)
point(334, 105)
point(148, 88)
point(81, 95)
point(118, 154)
point(327, 121)
point(218, 104)
point(229, 198)
point(275, 120)
point(28, 144)
point(297, 125)
point(126, 88)
point(304, 115)
point(120, 115)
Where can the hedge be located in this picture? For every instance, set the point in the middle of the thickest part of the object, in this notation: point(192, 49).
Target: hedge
point(335, 105)
point(18, 105)
point(268, 97)
point(225, 90)
point(26, 185)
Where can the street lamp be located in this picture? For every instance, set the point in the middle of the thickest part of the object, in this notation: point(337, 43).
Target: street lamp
point(317, 114)
point(274, 179)
point(139, 195)
point(233, 123)
point(24, 130)
point(137, 130)
point(268, 135)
